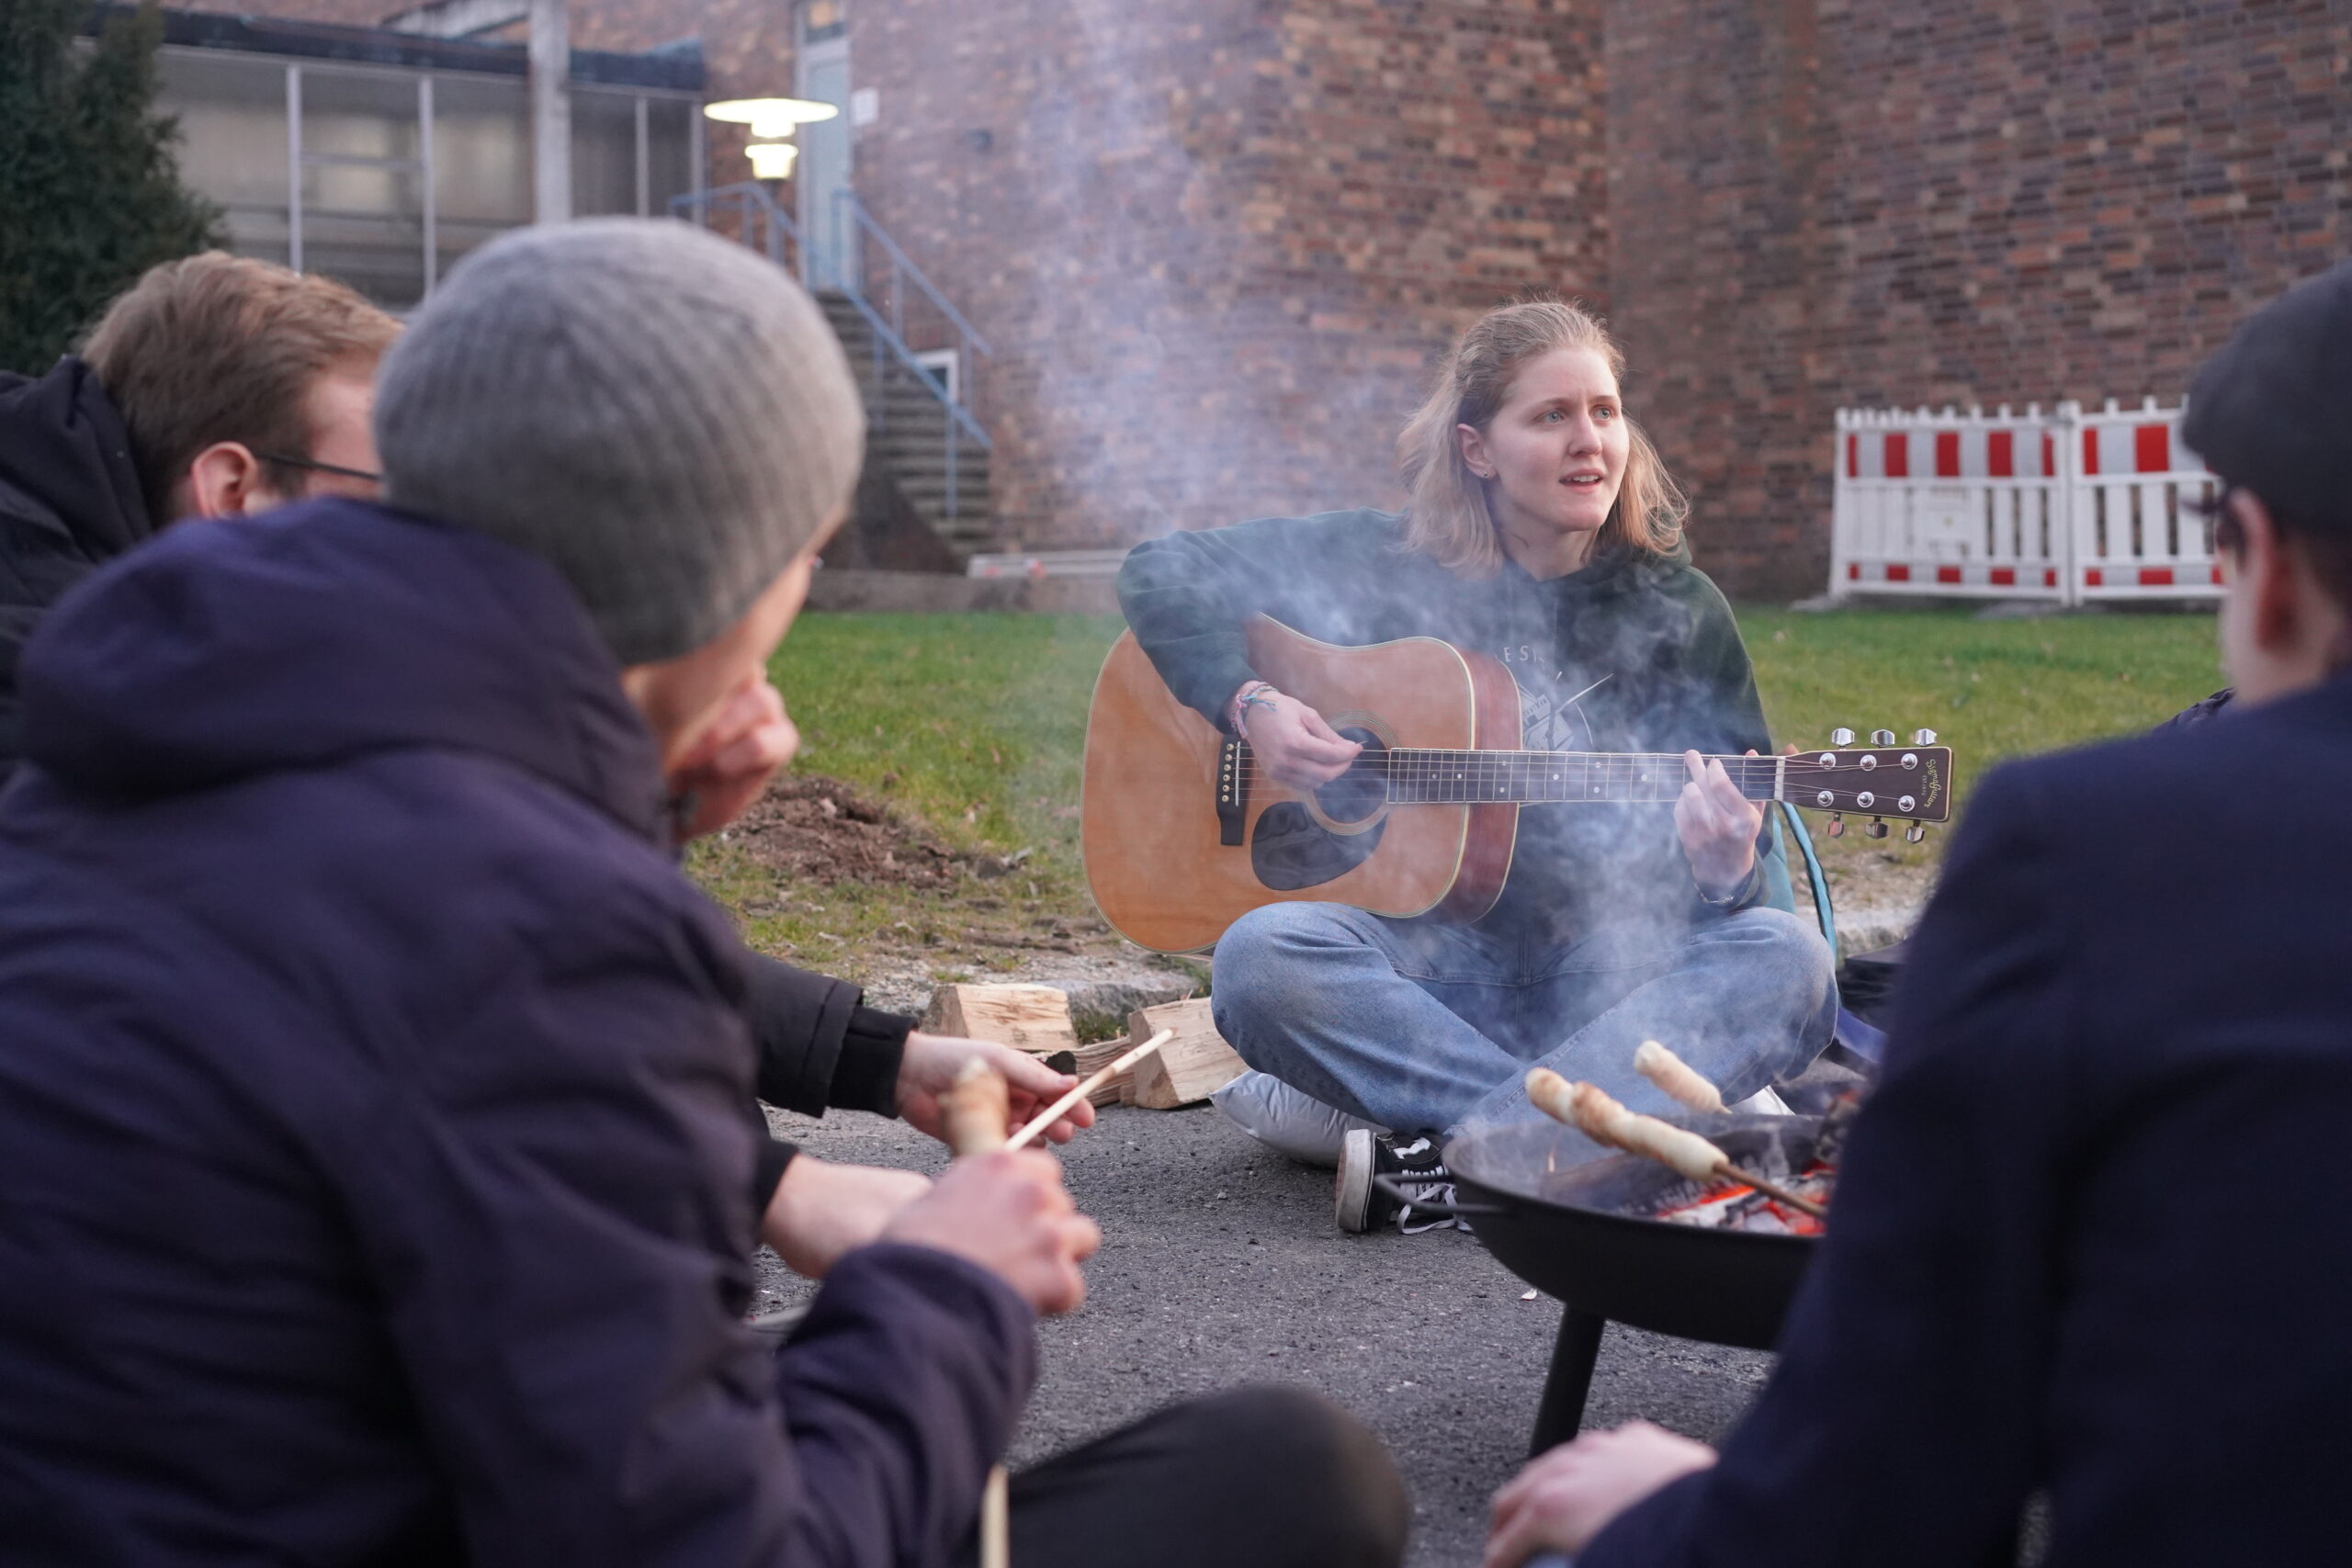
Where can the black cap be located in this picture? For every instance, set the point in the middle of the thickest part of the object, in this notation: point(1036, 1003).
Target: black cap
point(2272, 412)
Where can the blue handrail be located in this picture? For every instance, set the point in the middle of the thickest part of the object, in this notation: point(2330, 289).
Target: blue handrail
point(755, 208)
point(753, 200)
point(856, 208)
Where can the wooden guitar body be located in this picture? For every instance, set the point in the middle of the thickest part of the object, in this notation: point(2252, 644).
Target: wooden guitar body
point(1162, 860)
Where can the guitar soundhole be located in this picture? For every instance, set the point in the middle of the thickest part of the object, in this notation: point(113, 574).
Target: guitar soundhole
point(1363, 789)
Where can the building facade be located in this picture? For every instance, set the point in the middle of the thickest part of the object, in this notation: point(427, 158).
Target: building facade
point(1213, 251)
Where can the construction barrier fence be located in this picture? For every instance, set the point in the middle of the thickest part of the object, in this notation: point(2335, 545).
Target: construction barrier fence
point(2062, 505)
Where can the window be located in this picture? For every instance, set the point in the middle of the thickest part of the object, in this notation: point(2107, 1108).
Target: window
point(384, 176)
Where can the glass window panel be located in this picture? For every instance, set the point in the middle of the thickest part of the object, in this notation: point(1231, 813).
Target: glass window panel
point(823, 20)
point(668, 151)
point(380, 254)
point(603, 153)
point(358, 114)
point(363, 221)
point(233, 149)
point(481, 160)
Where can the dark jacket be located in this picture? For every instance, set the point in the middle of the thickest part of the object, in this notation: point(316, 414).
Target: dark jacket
point(1630, 654)
point(70, 501)
point(372, 1160)
point(2091, 1235)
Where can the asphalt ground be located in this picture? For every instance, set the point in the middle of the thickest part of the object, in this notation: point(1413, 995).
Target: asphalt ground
point(1221, 1266)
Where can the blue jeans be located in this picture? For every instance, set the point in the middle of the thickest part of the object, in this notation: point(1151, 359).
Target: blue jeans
point(1419, 1025)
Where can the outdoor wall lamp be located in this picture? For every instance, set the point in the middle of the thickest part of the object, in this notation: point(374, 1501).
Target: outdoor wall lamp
point(771, 119)
point(772, 160)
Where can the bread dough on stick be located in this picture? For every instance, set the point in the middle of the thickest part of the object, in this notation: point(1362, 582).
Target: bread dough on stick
point(1593, 1112)
point(1676, 1079)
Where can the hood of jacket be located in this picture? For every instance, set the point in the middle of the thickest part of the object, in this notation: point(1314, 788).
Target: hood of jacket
point(316, 635)
point(65, 465)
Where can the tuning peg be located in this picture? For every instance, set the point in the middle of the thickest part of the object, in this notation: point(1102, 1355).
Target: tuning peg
point(1923, 737)
point(1836, 829)
point(1917, 830)
point(1841, 738)
point(1882, 738)
point(1875, 828)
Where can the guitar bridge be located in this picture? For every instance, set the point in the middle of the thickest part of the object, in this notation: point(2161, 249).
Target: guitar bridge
point(1232, 793)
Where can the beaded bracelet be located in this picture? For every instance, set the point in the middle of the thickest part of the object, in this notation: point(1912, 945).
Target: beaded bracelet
point(1256, 693)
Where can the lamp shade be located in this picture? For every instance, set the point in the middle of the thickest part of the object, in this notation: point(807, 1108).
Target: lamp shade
point(770, 118)
point(772, 160)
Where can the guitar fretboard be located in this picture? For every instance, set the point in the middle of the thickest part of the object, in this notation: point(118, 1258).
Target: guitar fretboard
point(1426, 776)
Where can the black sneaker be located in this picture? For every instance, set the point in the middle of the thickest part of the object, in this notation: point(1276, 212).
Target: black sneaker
point(1410, 1161)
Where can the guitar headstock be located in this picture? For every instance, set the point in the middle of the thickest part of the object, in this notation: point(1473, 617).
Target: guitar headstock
point(1884, 780)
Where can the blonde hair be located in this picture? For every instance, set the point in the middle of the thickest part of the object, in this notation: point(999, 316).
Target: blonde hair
point(1448, 517)
point(215, 347)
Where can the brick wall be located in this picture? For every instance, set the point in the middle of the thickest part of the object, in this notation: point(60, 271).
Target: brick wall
point(1819, 202)
point(1713, 153)
point(1219, 245)
point(1216, 246)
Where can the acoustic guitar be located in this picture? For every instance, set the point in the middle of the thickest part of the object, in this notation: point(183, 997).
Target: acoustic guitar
point(1183, 835)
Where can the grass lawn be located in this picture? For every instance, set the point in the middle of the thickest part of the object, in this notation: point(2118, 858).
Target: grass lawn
point(972, 724)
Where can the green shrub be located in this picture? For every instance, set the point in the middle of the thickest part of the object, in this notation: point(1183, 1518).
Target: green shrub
point(90, 195)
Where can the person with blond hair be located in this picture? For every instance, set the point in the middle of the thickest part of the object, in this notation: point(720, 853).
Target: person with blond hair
point(2086, 1275)
point(1542, 528)
point(216, 386)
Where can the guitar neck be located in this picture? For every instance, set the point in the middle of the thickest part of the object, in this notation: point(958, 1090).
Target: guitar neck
point(1422, 776)
point(1911, 783)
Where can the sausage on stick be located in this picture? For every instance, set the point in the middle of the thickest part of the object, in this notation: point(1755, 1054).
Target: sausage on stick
point(1676, 1079)
point(1592, 1112)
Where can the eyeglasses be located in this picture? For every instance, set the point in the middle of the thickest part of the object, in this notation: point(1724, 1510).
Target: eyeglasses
point(320, 468)
point(2215, 508)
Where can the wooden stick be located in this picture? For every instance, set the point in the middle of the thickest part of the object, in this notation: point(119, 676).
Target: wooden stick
point(996, 1522)
point(975, 1110)
point(1775, 1191)
point(1037, 1124)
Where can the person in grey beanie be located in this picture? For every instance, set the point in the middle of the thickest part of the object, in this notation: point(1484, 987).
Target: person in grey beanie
point(592, 376)
point(373, 1156)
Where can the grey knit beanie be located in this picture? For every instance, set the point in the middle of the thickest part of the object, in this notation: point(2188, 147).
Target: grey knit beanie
point(661, 414)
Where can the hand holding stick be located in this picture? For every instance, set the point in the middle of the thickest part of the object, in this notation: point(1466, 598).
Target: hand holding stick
point(1043, 1119)
point(1592, 1112)
point(975, 1109)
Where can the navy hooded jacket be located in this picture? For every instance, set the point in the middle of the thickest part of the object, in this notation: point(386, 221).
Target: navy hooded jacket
point(70, 501)
point(2089, 1239)
point(373, 1167)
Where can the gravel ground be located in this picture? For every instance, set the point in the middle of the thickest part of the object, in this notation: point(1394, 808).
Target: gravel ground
point(1220, 1266)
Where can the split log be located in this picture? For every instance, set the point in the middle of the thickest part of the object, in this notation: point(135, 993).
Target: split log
point(1091, 1059)
point(1029, 1018)
point(1191, 1067)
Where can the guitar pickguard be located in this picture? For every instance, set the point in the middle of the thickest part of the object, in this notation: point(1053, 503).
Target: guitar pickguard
point(1289, 850)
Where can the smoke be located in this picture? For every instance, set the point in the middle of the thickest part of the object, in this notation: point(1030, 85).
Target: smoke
point(1180, 382)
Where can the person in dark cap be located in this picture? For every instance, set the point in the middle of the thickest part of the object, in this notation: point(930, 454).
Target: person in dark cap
point(374, 1178)
point(2089, 1237)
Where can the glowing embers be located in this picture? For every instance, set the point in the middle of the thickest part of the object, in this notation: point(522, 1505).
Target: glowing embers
point(1735, 1206)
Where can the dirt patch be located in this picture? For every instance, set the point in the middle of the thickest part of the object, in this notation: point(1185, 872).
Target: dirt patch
point(812, 829)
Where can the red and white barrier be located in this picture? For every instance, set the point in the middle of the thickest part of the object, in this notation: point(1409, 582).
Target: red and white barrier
point(2065, 505)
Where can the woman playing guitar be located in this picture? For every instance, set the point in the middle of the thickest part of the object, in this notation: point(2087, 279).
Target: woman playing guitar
point(1544, 529)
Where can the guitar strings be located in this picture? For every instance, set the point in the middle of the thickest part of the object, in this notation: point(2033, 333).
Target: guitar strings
point(1440, 776)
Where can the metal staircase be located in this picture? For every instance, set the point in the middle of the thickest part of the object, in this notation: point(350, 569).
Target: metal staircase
point(893, 323)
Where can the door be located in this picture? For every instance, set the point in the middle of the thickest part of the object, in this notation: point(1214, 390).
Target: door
point(828, 259)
